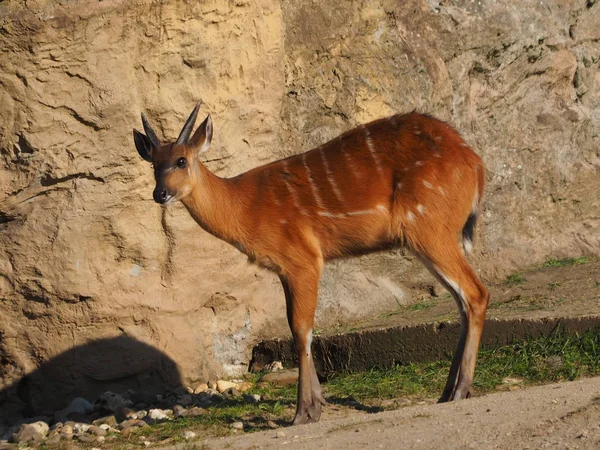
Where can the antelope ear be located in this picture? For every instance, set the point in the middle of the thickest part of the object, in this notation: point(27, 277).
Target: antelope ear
point(200, 141)
point(143, 145)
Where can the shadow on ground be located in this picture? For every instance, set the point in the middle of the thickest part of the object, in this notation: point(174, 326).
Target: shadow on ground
point(116, 364)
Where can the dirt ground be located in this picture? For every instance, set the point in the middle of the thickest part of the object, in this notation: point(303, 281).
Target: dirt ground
point(558, 416)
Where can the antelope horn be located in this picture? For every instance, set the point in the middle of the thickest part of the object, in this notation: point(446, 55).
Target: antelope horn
point(187, 128)
point(150, 132)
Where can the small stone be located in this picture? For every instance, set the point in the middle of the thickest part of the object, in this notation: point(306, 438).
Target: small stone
point(112, 402)
point(231, 392)
point(280, 434)
point(158, 415)
point(147, 443)
point(85, 438)
point(272, 424)
point(282, 377)
point(67, 428)
point(195, 411)
point(66, 436)
point(244, 386)
point(251, 398)
point(179, 411)
point(80, 427)
point(79, 406)
point(132, 423)
point(54, 439)
point(141, 414)
point(212, 385)
point(31, 432)
point(201, 388)
point(223, 385)
point(187, 435)
point(274, 366)
point(237, 425)
point(110, 421)
point(98, 431)
point(510, 380)
point(189, 390)
point(100, 439)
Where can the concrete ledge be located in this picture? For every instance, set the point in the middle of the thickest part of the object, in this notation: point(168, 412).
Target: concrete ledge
point(385, 348)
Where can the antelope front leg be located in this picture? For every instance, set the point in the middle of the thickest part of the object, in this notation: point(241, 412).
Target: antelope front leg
point(301, 302)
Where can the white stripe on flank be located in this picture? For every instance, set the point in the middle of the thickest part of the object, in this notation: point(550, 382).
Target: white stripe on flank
point(442, 191)
point(348, 157)
point(313, 186)
point(292, 192)
point(371, 147)
point(378, 209)
point(427, 184)
point(330, 178)
point(419, 163)
point(421, 209)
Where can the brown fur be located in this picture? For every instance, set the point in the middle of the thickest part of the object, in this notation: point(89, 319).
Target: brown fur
point(405, 180)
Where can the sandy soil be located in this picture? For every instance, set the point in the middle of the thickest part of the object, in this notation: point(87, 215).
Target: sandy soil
point(564, 415)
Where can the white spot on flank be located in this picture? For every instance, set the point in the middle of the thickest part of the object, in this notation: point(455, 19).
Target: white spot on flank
point(398, 185)
point(371, 148)
point(330, 178)
point(283, 221)
point(442, 191)
point(421, 209)
point(291, 190)
point(437, 155)
point(427, 184)
point(313, 186)
point(382, 208)
point(438, 138)
point(410, 216)
point(419, 163)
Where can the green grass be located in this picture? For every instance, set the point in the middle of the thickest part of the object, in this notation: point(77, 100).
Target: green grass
point(515, 278)
point(420, 306)
point(565, 262)
point(557, 357)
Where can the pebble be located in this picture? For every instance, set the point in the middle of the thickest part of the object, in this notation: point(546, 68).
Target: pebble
point(189, 435)
point(223, 385)
point(80, 427)
point(132, 423)
point(67, 428)
point(274, 366)
point(110, 421)
point(158, 415)
point(212, 385)
point(231, 392)
point(78, 405)
point(244, 386)
point(237, 425)
point(201, 388)
point(179, 411)
point(98, 431)
point(280, 434)
point(112, 402)
point(31, 432)
point(195, 411)
point(282, 377)
point(251, 398)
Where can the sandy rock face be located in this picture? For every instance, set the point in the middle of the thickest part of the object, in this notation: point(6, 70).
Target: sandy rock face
point(85, 254)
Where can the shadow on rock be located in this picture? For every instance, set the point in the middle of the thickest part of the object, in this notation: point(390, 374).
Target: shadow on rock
point(118, 364)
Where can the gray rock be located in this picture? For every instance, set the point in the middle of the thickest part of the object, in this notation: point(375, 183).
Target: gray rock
point(158, 415)
point(187, 435)
point(282, 377)
point(78, 405)
point(31, 432)
point(132, 423)
point(112, 402)
point(237, 425)
point(251, 398)
point(195, 411)
point(179, 411)
point(111, 421)
point(97, 431)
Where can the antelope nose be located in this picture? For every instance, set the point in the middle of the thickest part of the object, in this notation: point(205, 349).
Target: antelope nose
point(160, 195)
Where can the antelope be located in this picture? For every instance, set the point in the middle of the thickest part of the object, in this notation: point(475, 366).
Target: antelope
point(408, 180)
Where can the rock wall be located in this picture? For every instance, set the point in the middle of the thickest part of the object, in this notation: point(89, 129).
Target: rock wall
point(85, 254)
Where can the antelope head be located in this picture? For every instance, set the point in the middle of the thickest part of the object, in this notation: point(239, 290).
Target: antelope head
point(176, 165)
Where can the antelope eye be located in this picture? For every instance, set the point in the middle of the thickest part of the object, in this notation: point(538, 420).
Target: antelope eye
point(181, 163)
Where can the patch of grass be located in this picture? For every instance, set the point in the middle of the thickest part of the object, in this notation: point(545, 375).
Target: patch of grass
point(565, 262)
point(420, 306)
point(515, 278)
point(553, 286)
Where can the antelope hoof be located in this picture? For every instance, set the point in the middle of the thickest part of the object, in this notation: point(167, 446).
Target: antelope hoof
point(458, 394)
point(308, 414)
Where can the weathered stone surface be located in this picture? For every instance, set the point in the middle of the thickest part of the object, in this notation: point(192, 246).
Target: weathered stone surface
point(31, 432)
point(223, 385)
point(86, 255)
point(281, 377)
